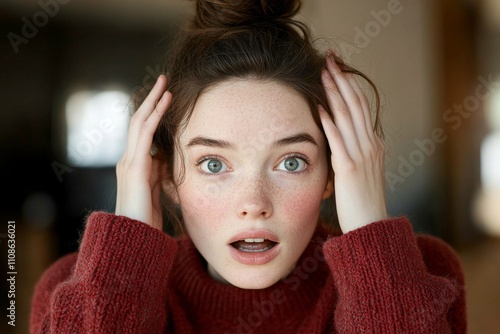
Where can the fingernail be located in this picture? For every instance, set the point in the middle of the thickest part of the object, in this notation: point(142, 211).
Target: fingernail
point(158, 79)
point(322, 112)
point(324, 74)
point(329, 56)
point(330, 60)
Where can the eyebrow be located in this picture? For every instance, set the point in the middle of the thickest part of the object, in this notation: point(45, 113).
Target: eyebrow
point(302, 137)
point(297, 138)
point(203, 141)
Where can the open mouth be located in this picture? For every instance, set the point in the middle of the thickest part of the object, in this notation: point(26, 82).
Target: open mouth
point(254, 245)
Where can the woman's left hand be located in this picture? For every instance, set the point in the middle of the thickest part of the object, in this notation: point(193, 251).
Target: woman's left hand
point(358, 154)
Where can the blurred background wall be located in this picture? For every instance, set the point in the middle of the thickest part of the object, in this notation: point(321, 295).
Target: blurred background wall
point(68, 69)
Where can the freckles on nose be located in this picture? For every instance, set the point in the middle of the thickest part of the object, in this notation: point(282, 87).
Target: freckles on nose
point(258, 187)
point(254, 196)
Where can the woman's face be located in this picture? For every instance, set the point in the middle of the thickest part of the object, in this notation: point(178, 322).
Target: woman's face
point(255, 176)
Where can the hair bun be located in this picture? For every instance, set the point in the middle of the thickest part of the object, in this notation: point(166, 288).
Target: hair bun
point(231, 13)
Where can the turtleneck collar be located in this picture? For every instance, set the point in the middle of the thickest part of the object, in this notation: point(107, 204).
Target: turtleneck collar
point(204, 297)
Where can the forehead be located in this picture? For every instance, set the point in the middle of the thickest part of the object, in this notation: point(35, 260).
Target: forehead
point(241, 109)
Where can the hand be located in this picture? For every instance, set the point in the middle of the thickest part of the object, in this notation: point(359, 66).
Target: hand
point(357, 152)
point(138, 173)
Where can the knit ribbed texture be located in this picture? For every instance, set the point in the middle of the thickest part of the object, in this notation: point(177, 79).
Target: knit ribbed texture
point(378, 279)
point(398, 293)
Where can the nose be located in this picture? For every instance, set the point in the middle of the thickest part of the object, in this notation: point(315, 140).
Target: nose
point(255, 201)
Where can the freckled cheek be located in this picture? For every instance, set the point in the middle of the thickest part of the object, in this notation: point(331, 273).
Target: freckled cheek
point(204, 205)
point(302, 203)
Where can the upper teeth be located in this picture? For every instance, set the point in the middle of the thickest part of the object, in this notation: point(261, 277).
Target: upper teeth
point(254, 240)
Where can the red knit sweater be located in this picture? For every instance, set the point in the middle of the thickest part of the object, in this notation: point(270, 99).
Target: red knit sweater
point(131, 278)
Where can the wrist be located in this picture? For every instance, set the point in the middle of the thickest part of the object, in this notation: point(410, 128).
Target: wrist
point(362, 222)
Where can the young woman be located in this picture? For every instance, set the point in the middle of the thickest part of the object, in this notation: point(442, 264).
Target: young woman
point(248, 137)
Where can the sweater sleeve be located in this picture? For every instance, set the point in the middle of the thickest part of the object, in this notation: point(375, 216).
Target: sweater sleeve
point(116, 283)
point(391, 281)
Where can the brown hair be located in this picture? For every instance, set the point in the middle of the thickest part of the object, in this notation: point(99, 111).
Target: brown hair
point(227, 39)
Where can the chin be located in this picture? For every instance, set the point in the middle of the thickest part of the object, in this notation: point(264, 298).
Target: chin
point(255, 278)
point(253, 284)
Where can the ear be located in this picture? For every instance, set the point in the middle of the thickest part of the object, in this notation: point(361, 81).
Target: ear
point(169, 188)
point(329, 187)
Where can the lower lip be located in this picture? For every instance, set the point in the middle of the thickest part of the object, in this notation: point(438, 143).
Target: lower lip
point(254, 258)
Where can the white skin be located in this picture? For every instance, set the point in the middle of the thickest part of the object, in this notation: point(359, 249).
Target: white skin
point(254, 189)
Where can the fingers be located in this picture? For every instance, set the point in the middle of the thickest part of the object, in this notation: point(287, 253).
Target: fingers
point(357, 153)
point(340, 157)
point(350, 109)
point(145, 120)
point(341, 115)
point(149, 126)
point(364, 105)
point(352, 102)
point(138, 173)
point(152, 99)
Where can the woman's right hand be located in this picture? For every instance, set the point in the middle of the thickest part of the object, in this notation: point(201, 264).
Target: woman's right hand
point(138, 173)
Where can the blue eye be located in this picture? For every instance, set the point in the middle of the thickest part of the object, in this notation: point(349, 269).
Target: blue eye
point(211, 165)
point(294, 164)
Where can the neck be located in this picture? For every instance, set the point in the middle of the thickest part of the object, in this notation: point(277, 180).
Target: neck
point(207, 295)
